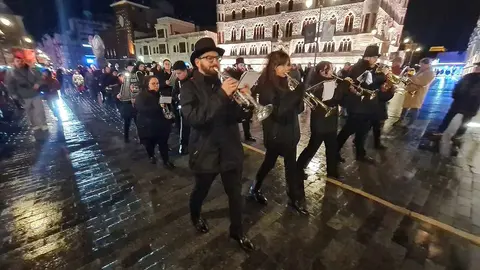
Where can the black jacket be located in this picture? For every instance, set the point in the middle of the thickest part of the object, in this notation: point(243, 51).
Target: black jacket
point(281, 129)
point(466, 95)
point(356, 104)
point(319, 124)
point(214, 144)
point(151, 122)
point(176, 89)
point(162, 78)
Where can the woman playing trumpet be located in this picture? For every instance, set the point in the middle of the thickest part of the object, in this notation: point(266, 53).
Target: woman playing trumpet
point(281, 129)
point(323, 128)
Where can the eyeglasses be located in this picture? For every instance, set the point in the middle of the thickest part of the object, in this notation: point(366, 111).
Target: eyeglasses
point(210, 59)
point(154, 83)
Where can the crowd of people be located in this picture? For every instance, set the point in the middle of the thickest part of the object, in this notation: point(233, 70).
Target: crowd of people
point(203, 106)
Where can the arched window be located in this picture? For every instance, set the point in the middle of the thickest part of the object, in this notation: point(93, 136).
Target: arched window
point(256, 11)
point(243, 50)
point(263, 49)
point(174, 48)
point(289, 29)
point(300, 47)
point(277, 8)
point(253, 50)
point(312, 48)
point(233, 52)
point(290, 5)
point(244, 13)
point(263, 10)
point(275, 29)
point(233, 36)
point(333, 21)
point(242, 34)
point(329, 46)
point(233, 15)
point(259, 32)
point(306, 22)
point(348, 25)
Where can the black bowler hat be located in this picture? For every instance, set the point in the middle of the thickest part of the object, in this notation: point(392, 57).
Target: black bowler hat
point(179, 65)
point(239, 60)
point(372, 50)
point(205, 45)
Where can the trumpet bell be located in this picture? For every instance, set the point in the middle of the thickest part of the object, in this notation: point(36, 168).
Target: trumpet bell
point(263, 112)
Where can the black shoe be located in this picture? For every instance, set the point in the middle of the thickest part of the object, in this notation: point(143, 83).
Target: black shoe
point(200, 225)
point(243, 241)
point(169, 165)
point(258, 196)
point(380, 147)
point(250, 139)
point(153, 160)
point(299, 207)
point(183, 150)
point(366, 159)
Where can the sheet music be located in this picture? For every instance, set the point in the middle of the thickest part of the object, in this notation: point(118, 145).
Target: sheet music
point(249, 78)
point(165, 100)
point(328, 90)
point(172, 78)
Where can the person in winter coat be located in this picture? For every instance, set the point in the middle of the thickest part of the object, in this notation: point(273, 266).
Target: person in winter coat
point(281, 131)
point(323, 129)
point(416, 91)
point(182, 77)
point(126, 97)
point(138, 77)
point(50, 87)
point(152, 126)
point(23, 84)
point(215, 146)
point(78, 81)
point(466, 101)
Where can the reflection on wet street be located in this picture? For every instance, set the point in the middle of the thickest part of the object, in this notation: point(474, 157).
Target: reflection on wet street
point(82, 199)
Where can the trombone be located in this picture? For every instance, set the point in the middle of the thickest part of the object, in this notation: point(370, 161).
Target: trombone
point(259, 111)
point(310, 99)
point(360, 91)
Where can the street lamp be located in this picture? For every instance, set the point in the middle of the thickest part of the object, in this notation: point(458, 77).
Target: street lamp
point(418, 49)
point(406, 40)
point(27, 39)
point(5, 21)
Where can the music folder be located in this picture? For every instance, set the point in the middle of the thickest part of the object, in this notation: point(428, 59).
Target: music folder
point(249, 78)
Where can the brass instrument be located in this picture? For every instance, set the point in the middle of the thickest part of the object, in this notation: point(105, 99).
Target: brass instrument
point(401, 82)
point(259, 111)
point(167, 113)
point(360, 91)
point(310, 99)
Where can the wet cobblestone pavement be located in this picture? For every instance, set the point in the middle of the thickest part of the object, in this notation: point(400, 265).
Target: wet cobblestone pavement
point(83, 199)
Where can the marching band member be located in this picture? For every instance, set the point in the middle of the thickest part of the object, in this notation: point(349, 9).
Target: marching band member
point(181, 72)
point(215, 145)
point(323, 128)
point(281, 129)
point(240, 68)
point(360, 108)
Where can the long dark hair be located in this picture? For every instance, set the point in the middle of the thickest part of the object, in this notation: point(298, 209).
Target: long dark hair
point(274, 59)
point(146, 81)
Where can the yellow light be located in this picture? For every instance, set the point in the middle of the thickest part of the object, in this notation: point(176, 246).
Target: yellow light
point(418, 49)
point(28, 40)
point(407, 50)
point(406, 40)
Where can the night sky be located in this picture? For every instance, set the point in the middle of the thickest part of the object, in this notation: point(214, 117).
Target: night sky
point(446, 23)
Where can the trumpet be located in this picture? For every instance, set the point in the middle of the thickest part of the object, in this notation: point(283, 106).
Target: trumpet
point(360, 91)
point(310, 99)
point(259, 111)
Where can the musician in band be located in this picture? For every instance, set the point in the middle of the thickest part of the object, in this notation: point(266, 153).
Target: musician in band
point(215, 146)
point(360, 107)
point(323, 128)
point(182, 76)
point(128, 92)
point(281, 131)
point(239, 68)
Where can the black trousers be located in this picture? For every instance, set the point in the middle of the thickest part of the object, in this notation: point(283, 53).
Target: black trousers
point(246, 128)
point(127, 122)
point(184, 132)
point(449, 117)
point(358, 125)
point(233, 187)
point(295, 186)
point(331, 150)
point(161, 141)
point(377, 126)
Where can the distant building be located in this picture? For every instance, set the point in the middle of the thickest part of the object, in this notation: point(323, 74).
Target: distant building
point(71, 48)
point(134, 20)
point(255, 28)
point(12, 34)
point(174, 40)
point(473, 51)
point(449, 64)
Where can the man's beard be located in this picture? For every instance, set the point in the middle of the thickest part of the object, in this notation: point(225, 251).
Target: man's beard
point(207, 70)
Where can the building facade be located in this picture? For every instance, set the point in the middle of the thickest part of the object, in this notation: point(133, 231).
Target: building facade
point(134, 20)
point(473, 51)
point(174, 40)
point(254, 28)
